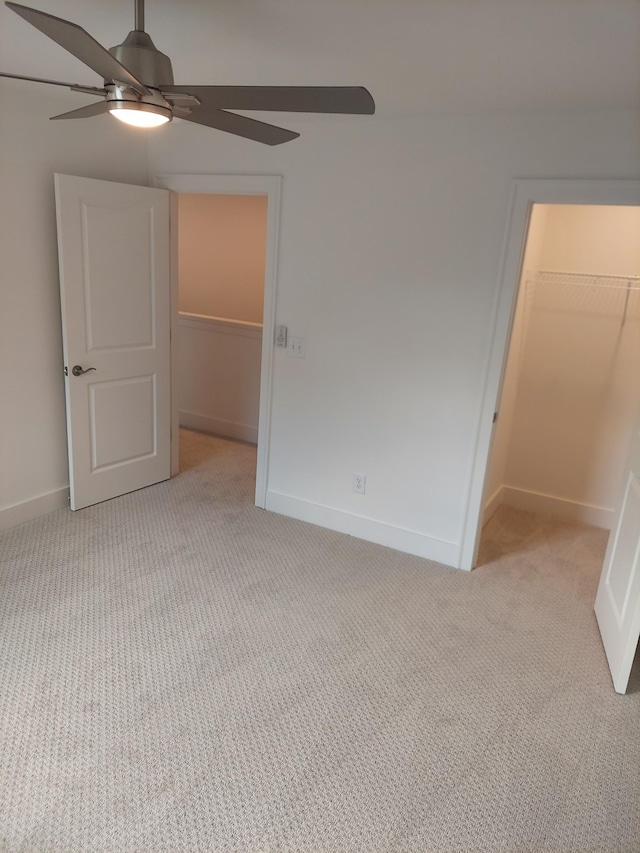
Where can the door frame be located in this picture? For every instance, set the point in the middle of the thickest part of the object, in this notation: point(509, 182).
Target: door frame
point(524, 194)
point(212, 184)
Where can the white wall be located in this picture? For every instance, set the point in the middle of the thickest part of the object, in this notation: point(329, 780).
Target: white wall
point(219, 376)
point(577, 371)
point(390, 240)
point(222, 244)
point(33, 459)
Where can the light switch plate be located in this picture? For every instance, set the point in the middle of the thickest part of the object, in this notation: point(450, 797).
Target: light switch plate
point(297, 347)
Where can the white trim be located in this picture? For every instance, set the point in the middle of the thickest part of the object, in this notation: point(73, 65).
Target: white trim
point(175, 343)
point(218, 184)
point(524, 195)
point(598, 516)
point(496, 500)
point(220, 325)
point(215, 426)
point(29, 510)
point(270, 186)
point(401, 539)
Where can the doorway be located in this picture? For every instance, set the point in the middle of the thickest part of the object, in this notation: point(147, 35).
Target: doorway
point(570, 394)
point(525, 194)
point(221, 263)
point(267, 187)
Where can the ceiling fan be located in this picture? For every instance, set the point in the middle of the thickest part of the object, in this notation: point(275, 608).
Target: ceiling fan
point(139, 89)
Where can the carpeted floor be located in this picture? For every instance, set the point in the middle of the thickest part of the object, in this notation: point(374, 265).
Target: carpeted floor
point(181, 671)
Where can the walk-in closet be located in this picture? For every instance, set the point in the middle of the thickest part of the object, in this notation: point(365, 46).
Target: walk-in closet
point(571, 390)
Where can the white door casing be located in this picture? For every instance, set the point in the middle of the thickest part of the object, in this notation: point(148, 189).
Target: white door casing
point(617, 605)
point(113, 248)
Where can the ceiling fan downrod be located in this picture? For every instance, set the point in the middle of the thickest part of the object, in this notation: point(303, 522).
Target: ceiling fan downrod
point(139, 54)
point(139, 15)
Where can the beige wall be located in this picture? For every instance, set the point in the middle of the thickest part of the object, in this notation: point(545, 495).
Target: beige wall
point(576, 359)
point(222, 243)
point(592, 239)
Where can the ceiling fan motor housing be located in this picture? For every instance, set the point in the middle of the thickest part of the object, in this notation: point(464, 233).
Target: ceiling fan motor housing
point(143, 59)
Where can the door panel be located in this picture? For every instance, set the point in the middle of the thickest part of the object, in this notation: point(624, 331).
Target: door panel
point(625, 552)
point(113, 245)
point(132, 437)
point(618, 600)
point(118, 315)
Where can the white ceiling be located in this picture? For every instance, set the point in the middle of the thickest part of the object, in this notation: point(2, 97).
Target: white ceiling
point(417, 57)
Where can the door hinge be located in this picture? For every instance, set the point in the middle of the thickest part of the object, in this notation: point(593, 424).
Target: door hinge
point(495, 417)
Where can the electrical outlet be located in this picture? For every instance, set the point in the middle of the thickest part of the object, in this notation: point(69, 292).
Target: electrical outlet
point(297, 347)
point(359, 483)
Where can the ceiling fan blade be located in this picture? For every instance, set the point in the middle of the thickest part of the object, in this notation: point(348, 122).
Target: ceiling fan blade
point(85, 112)
point(269, 134)
point(354, 100)
point(76, 87)
point(83, 46)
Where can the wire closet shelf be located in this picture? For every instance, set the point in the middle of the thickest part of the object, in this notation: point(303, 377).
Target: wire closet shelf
point(611, 282)
point(595, 286)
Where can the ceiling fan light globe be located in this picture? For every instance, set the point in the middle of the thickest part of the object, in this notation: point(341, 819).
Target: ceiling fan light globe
point(140, 115)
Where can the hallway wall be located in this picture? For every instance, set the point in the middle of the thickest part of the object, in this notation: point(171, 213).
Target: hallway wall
point(221, 270)
point(221, 255)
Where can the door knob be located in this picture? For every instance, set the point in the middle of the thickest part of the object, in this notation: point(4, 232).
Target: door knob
point(78, 371)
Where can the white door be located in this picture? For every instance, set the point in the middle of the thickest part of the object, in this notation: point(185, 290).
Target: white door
point(113, 248)
point(618, 599)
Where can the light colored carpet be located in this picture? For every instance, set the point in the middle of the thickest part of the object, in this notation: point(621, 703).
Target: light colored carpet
point(181, 671)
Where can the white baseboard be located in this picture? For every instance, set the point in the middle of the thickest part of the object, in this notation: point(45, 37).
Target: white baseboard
point(215, 426)
point(20, 513)
point(492, 504)
point(408, 541)
point(598, 516)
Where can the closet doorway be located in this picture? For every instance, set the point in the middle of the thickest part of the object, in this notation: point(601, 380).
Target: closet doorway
point(570, 392)
point(524, 196)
